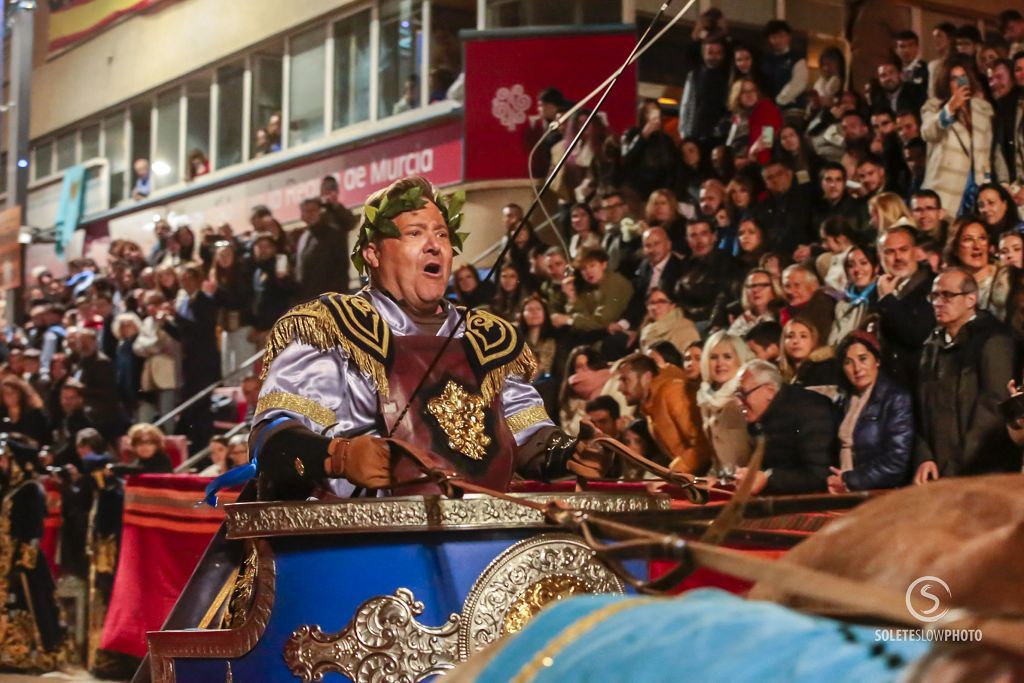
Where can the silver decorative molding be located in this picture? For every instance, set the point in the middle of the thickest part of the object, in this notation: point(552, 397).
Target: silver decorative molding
point(384, 642)
point(416, 513)
point(522, 580)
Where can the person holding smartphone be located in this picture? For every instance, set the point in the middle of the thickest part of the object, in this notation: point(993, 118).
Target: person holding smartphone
point(957, 125)
point(273, 285)
point(756, 121)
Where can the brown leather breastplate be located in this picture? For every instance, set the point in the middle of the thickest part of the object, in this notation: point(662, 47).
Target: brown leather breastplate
point(447, 416)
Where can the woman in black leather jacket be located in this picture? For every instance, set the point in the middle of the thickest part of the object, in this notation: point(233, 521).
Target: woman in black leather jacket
point(876, 435)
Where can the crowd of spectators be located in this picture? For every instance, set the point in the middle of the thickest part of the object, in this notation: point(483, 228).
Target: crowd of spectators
point(837, 268)
point(124, 344)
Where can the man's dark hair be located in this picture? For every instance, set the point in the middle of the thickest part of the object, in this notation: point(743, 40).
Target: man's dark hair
point(714, 39)
point(1004, 61)
point(777, 26)
point(593, 254)
point(968, 32)
point(947, 27)
point(668, 352)
point(872, 159)
point(890, 59)
point(777, 160)
point(831, 166)
point(606, 403)
point(329, 182)
point(310, 200)
point(930, 246)
point(1007, 16)
point(764, 334)
point(609, 192)
point(882, 110)
point(910, 112)
point(700, 220)
point(925, 193)
point(854, 112)
point(91, 438)
point(916, 143)
point(838, 226)
point(638, 363)
point(907, 35)
point(260, 211)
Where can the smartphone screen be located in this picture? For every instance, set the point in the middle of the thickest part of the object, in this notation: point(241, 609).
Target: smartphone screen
point(281, 265)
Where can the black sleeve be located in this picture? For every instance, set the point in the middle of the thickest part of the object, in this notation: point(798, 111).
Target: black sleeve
point(542, 457)
point(291, 456)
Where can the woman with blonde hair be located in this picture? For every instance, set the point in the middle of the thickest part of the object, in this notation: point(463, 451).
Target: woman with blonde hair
point(886, 209)
point(21, 406)
point(146, 443)
point(662, 210)
point(720, 362)
point(756, 121)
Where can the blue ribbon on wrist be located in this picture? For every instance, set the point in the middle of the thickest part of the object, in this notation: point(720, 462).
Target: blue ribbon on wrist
point(237, 476)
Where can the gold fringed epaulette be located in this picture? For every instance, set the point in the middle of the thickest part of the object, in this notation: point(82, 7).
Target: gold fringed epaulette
point(337, 321)
point(496, 351)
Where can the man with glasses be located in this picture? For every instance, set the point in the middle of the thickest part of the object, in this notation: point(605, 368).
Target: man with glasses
point(905, 316)
point(927, 209)
point(620, 243)
point(966, 364)
point(799, 428)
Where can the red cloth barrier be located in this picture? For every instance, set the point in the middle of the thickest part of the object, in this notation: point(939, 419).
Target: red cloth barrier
point(51, 525)
point(163, 538)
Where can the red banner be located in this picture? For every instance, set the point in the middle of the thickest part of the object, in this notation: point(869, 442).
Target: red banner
point(72, 21)
point(163, 538)
point(505, 72)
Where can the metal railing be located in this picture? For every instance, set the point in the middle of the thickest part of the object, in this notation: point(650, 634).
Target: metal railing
point(203, 392)
point(190, 462)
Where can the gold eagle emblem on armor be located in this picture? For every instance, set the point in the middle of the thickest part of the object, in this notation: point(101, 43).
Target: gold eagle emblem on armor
point(461, 416)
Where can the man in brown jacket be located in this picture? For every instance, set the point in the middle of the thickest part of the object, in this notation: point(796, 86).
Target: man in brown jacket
point(670, 406)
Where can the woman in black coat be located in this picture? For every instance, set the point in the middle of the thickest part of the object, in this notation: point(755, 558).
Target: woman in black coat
point(876, 435)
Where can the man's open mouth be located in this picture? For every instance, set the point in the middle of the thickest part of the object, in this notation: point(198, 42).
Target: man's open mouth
point(432, 269)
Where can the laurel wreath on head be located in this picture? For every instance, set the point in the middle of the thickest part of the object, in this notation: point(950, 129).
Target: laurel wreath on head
point(379, 220)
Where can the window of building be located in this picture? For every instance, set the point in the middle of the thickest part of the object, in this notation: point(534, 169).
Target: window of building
point(197, 128)
point(90, 139)
point(307, 55)
point(230, 96)
point(141, 125)
point(115, 151)
point(399, 56)
point(43, 159)
point(516, 13)
point(447, 18)
point(66, 151)
point(267, 97)
point(352, 69)
point(166, 162)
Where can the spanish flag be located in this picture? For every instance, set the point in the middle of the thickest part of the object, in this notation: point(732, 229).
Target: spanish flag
point(72, 21)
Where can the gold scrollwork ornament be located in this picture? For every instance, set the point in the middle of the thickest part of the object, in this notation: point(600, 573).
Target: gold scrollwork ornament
point(461, 416)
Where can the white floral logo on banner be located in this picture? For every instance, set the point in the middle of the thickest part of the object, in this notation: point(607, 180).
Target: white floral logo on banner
point(510, 105)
